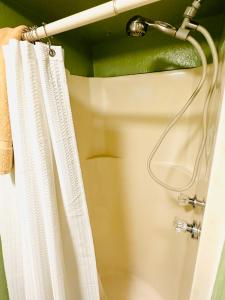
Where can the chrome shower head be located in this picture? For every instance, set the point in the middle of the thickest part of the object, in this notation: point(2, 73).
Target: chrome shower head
point(137, 26)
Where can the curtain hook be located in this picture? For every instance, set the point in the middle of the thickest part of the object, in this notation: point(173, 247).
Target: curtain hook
point(51, 50)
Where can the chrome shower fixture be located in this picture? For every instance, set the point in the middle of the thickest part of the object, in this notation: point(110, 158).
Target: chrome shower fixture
point(185, 200)
point(194, 228)
point(191, 11)
point(138, 26)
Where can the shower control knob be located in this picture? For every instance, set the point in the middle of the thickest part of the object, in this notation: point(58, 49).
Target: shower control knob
point(185, 200)
point(180, 225)
point(194, 229)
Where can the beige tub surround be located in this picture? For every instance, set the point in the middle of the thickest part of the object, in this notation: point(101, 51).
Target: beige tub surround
point(118, 121)
point(6, 147)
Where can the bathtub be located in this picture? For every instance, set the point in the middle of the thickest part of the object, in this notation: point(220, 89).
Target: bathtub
point(117, 122)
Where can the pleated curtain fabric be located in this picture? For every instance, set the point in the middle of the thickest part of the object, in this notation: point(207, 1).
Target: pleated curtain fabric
point(46, 234)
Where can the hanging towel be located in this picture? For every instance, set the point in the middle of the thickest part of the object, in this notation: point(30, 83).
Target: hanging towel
point(6, 149)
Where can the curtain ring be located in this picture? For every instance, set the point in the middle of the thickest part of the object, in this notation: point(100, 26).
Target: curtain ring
point(51, 51)
point(29, 32)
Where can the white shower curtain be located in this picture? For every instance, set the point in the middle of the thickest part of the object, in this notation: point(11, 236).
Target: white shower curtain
point(44, 225)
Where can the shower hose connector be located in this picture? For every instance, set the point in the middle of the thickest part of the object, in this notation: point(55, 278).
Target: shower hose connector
point(191, 11)
point(187, 24)
point(194, 229)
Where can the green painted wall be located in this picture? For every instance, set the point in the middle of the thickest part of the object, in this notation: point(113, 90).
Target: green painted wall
point(77, 57)
point(152, 53)
point(219, 288)
point(170, 11)
point(3, 285)
point(102, 49)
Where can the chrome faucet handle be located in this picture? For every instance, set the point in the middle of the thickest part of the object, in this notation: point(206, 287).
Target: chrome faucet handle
point(194, 229)
point(185, 200)
point(180, 225)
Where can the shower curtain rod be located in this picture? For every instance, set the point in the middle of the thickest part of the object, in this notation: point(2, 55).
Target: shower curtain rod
point(94, 14)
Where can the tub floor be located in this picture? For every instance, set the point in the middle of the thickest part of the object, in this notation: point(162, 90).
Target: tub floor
point(123, 286)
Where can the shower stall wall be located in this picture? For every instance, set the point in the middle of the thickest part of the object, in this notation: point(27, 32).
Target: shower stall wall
point(117, 122)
